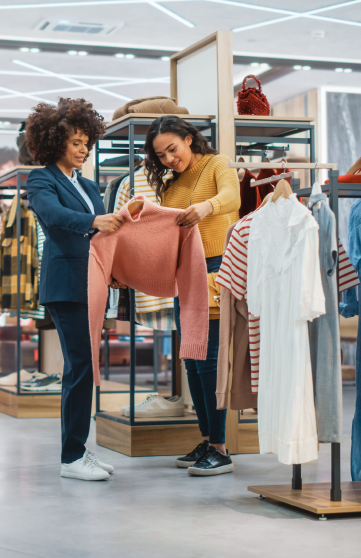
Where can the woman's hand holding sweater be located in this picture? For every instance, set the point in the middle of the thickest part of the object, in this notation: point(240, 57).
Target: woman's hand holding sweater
point(107, 223)
point(195, 214)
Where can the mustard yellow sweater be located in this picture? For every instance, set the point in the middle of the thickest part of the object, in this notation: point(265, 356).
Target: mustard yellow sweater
point(217, 184)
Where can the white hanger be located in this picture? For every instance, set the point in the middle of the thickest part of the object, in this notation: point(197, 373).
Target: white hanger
point(316, 188)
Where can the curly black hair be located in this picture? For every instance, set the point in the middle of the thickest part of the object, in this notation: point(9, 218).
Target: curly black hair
point(179, 127)
point(49, 127)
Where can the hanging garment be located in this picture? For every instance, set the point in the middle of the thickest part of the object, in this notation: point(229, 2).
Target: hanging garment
point(40, 313)
point(151, 253)
point(233, 276)
point(111, 190)
point(234, 322)
point(351, 307)
point(284, 288)
point(29, 260)
point(145, 305)
point(162, 320)
point(248, 195)
point(325, 331)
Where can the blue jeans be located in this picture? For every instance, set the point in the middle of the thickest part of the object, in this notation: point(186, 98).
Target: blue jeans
point(202, 376)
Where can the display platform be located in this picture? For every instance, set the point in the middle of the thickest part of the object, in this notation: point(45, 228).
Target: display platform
point(166, 436)
point(157, 437)
point(28, 404)
point(315, 498)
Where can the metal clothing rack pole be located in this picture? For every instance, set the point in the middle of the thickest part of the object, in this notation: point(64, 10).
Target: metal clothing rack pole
point(18, 283)
point(132, 293)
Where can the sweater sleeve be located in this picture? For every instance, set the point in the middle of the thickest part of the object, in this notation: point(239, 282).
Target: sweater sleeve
point(228, 198)
point(97, 300)
point(193, 297)
point(226, 326)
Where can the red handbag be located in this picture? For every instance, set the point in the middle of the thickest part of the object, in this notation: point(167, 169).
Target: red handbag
point(252, 100)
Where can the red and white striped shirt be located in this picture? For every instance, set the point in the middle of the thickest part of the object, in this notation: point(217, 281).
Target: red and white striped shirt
point(233, 276)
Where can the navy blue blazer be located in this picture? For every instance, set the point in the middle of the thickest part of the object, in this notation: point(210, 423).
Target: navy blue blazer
point(66, 220)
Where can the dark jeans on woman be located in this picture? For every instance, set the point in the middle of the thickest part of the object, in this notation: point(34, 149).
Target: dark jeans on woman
point(71, 322)
point(202, 376)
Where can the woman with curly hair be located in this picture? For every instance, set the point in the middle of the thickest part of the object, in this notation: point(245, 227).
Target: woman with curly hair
point(208, 191)
point(70, 209)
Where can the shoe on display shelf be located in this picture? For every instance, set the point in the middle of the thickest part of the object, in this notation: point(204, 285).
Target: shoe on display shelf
point(92, 456)
point(212, 462)
point(46, 383)
point(25, 376)
point(192, 457)
point(155, 406)
point(84, 468)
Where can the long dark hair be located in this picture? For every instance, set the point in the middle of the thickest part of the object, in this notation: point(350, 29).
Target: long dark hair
point(170, 124)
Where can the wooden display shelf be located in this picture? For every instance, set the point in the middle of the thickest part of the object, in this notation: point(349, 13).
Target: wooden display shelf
point(254, 117)
point(158, 437)
point(29, 405)
point(315, 498)
point(112, 432)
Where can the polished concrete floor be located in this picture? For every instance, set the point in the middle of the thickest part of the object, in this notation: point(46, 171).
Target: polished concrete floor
point(150, 509)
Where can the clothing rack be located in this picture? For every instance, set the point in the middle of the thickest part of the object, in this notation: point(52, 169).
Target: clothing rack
point(319, 498)
point(9, 402)
point(274, 178)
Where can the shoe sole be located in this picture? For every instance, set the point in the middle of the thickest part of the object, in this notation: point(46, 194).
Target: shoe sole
point(184, 464)
point(46, 388)
point(210, 472)
point(155, 415)
point(79, 477)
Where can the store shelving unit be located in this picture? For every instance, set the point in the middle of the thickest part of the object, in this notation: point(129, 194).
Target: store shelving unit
point(13, 400)
point(134, 436)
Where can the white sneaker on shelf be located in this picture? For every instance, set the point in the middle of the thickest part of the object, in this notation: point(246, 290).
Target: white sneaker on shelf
point(156, 406)
point(84, 468)
point(25, 376)
point(95, 459)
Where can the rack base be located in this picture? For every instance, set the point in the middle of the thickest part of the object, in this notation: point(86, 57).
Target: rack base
point(314, 498)
point(29, 406)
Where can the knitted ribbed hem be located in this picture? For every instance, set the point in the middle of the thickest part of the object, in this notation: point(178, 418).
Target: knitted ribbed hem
point(164, 289)
point(194, 351)
point(222, 400)
point(213, 248)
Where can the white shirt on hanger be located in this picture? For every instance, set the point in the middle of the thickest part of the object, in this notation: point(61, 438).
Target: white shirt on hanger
point(285, 289)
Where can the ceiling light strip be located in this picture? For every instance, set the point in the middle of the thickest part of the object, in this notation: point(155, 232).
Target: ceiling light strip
point(71, 80)
point(170, 13)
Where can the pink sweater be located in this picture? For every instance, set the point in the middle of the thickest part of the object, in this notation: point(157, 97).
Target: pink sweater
point(152, 254)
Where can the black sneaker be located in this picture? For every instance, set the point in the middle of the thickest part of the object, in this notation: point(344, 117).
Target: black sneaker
point(193, 456)
point(213, 462)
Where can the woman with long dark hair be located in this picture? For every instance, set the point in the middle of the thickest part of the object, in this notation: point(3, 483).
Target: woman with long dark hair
point(208, 191)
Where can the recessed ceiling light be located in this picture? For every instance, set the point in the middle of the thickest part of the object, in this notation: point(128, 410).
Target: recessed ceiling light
point(6, 123)
point(82, 53)
point(306, 67)
point(264, 65)
point(72, 52)
point(119, 55)
point(347, 70)
point(24, 49)
point(130, 56)
point(297, 67)
point(338, 69)
point(255, 64)
point(165, 58)
point(35, 50)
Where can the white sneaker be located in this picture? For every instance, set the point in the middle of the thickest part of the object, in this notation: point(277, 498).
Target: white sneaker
point(84, 468)
point(105, 466)
point(156, 406)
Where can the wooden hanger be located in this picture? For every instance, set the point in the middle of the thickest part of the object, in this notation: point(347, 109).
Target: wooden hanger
point(355, 167)
point(283, 189)
point(134, 206)
point(265, 200)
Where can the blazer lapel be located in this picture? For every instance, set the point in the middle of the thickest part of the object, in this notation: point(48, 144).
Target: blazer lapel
point(64, 181)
